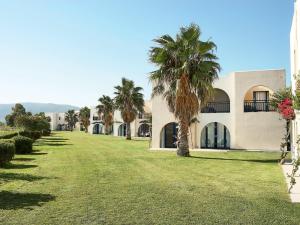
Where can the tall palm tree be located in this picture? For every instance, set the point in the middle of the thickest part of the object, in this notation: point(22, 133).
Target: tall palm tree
point(84, 116)
point(130, 101)
point(71, 118)
point(186, 70)
point(106, 108)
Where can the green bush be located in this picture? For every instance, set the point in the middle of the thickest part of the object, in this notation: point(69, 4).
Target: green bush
point(23, 144)
point(9, 135)
point(31, 134)
point(7, 152)
point(46, 132)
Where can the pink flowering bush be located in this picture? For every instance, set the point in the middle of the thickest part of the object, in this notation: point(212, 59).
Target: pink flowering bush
point(286, 110)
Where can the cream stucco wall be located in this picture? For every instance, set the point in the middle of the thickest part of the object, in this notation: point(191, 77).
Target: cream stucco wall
point(56, 119)
point(248, 130)
point(257, 130)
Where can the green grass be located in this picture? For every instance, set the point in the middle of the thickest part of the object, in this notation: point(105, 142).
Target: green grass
point(76, 178)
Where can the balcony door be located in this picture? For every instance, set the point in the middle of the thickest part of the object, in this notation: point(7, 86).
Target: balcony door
point(261, 99)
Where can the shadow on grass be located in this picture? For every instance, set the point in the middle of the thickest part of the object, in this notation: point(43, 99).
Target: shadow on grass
point(17, 176)
point(37, 152)
point(24, 159)
point(11, 200)
point(55, 139)
point(241, 160)
point(18, 166)
point(46, 143)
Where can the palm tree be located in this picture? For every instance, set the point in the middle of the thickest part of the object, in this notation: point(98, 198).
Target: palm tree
point(186, 70)
point(71, 119)
point(106, 108)
point(130, 101)
point(84, 116)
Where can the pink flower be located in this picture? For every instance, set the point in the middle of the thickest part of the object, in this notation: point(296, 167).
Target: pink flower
point(286, 110)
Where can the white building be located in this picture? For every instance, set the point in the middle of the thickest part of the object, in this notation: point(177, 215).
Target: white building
point(239, 116)
point(57, 121)
point(139, 127)
point(295, 69)
point(96, 122)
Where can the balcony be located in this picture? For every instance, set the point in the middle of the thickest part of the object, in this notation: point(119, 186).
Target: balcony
point(216, 107)
point(258, 106)
point(95, 118)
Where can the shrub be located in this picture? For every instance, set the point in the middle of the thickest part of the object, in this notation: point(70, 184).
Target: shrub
point(7, 151)
point(9, 135)
point(46, 132)
point(31, 134)
point(23, 144)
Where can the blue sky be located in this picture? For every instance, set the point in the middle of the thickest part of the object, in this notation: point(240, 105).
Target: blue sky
point(74, 51)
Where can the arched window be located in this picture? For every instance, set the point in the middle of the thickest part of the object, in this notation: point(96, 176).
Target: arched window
point(97, 128)
point(218, 103)
point(257, 99)
point(168, 136)
point(144, 130)
point(122, 131)
point(215, 136)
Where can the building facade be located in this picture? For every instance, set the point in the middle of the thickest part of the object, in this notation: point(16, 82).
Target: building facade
point(58, 121)
point(140, 127)
point(295, 68)
point(238, 116)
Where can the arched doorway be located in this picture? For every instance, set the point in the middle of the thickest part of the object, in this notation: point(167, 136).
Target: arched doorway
point(144, 130)
point(122, 131)
point(97, 129)
point(168, 136)
point(215, 136)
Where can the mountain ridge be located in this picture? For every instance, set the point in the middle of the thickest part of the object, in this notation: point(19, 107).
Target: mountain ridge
point(35, 107)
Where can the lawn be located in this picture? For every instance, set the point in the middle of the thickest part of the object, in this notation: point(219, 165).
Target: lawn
point(76, 178)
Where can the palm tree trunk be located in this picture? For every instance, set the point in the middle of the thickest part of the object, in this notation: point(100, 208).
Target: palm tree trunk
point(183, 143)
point(106, 129)
point(128, 131)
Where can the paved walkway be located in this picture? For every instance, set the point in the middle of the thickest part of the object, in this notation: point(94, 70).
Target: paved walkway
point(295, 193)
point(191, 150)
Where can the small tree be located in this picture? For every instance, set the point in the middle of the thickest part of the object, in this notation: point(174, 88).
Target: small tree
point(84, 116)
point(129, 100)
point(17, 110)
point(71, 119)
point(33, 123)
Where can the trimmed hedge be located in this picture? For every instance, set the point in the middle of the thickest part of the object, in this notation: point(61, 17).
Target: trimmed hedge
point(34, 135)
point(46, 133)
point(7, 152)
point(23, 144)
point(8, 136)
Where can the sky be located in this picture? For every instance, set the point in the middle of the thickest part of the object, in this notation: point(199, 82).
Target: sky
point(73, 52)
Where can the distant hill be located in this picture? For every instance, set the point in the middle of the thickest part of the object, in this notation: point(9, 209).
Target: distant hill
point(35, 108)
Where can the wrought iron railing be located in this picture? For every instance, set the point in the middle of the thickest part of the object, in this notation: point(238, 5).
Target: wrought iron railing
point(258, 106)
point(216, 107)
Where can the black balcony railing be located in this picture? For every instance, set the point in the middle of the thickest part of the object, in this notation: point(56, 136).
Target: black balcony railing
point(216, 107)
point(258, 106)
point(95, 118)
